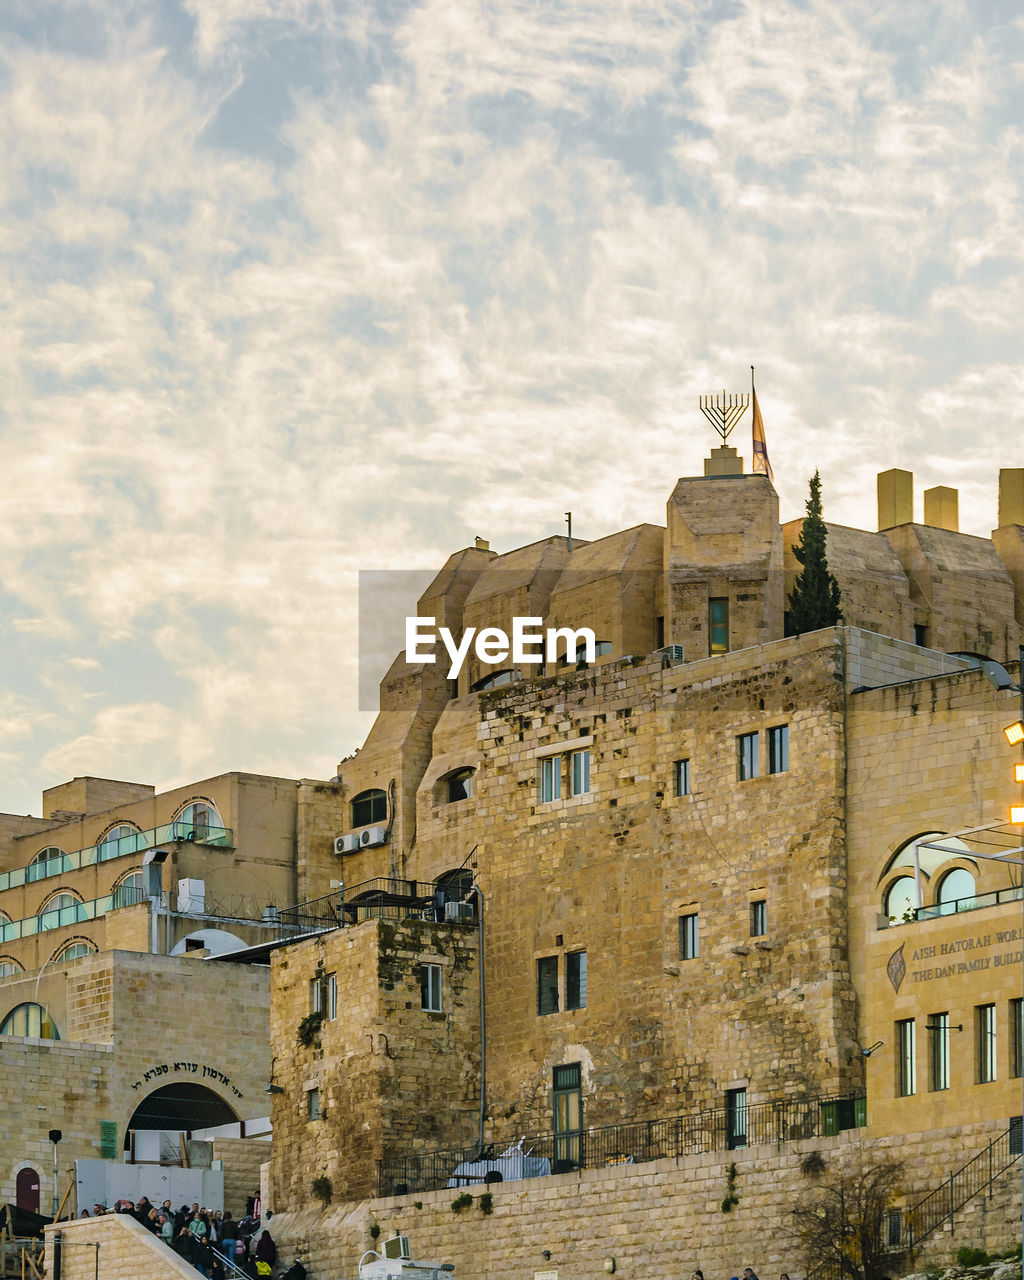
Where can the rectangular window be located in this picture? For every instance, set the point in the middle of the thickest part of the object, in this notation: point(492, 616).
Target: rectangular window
point(550, 779)
point(736, 1118)
point(316, 996)
point(938, 1030)
point(576, 980)
point(746, 750)
point(689, 936)
point(682, 777)
point(313, 1103)
point(547, 985)
point(906, 1065)
point(718, 626)
point(331, 996)
point(580, 772)
point(894, 1227)
point(567, 1099)
point(758, 918)
point(985, 1025)
point(1017, 1038)
point(778, 749)
point(430, 987)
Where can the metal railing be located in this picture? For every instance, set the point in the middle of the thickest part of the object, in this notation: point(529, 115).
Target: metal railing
point(974, 903)
point(379, 899)
point(71, 913)
point(723, 1129)
point(942, 1204)
point(107, 850)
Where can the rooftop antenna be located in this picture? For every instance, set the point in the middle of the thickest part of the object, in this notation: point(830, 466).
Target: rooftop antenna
point(568, 521)
point(724, 411)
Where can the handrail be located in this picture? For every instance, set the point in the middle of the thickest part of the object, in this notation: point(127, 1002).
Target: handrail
point(382, 898)
point(107, 850)
point(74, 913)
point(723, 1129)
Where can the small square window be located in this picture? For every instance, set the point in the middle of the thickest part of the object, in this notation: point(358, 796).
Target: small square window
point(580, 772)
point(547, 985)
point(313, 1103)
point(689, 936)
point(682, 777)
point(778, 749)
point(430, 987)
point(576, 980)
point(550, 779)
point(747, 756)
point(758, 918)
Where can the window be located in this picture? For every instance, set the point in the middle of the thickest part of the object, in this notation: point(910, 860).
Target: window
point(369, 807)
point(430, 987)
point(746, 747)
point(550, 779)
point(736, 1118)
point(985, 1024)
point(576, 980)
point(601, 650)
point(906, 1066)
point(689, 936)
point(547, 985)
point(313, 1103)
point(718, 626)
point(29, 1020)
point(580, 772)
point(60, 908)
point(323, 996)
point(460, 785)
point(75, 950)
point(197, 820)
point(493, 681)
point(128, 891)
point(921, 635)
point(9, 966)
point(778, 749)
point(682, 777)
point(1016, 1038)
point(956, 892)
point(567, 1106)
point(938, 1030)
point(118, 840)
point(901, 900)
point(894, 1227)
point(47, 862)
point(758, 918)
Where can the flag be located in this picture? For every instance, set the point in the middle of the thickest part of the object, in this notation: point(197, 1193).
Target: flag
point(760, 462)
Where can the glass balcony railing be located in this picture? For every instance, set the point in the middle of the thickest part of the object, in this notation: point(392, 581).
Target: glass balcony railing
point(71, 913)
point(108, 850)
point(973, 903)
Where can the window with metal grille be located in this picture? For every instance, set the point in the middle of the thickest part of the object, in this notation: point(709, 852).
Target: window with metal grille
point(567, 1106)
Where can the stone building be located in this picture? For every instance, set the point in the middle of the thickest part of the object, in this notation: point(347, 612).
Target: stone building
point(648, 907)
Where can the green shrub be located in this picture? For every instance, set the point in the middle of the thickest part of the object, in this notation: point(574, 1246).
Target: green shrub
point(968, 1257)
point(461, 1202)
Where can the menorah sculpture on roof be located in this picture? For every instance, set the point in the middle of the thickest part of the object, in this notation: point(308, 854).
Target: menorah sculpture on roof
point(724, 411)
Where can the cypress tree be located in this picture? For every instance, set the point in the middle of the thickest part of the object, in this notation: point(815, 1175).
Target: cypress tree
point(814, 600)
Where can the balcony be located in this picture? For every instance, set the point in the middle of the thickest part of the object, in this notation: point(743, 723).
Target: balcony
point(380, 899)
point(74, 913)
point(136, 842)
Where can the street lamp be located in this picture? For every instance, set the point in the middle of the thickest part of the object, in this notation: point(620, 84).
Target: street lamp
point(55, 1137)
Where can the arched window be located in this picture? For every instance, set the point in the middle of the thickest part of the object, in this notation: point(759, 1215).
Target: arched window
point(455, 885)
point(9, 966)
point(29, 1020)
point(956, 891)
point(120, 839)
point(128, 891)
point(369, 807)
point(47, 862)
point(62, 907)
point(74, 949)
point(901, 899)
point(196, 819)
point(458, 785)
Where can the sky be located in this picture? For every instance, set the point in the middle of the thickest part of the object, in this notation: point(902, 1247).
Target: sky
point(293, 289)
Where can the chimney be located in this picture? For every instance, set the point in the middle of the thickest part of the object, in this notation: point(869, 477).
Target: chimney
point(942, 508)
point(1011, 496)
point(895, 498)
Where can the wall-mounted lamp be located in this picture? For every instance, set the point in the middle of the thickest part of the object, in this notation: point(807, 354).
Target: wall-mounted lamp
point(273, 1088)
point(546, 1255)
point(609, 1266)
point(937, 1026)
point(866, 1053)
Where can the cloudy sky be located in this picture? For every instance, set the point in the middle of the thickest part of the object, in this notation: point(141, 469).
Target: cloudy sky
point(294, 288)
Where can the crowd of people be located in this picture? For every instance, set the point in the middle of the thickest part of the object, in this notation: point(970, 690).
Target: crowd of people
point(211, 1241)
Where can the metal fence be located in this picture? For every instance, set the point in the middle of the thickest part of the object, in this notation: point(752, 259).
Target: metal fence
point(379, 899)
point(943, 1204)
point(786, 1120)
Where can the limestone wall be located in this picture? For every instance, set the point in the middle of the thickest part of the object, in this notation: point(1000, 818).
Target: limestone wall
point(126, 1251)
point(659, 1221)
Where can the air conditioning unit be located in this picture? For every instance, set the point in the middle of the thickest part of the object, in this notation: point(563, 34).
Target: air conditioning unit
point(460, 912)
point(372, 836)
point(671, 654)
point(346, 844)
point(397, 1247)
